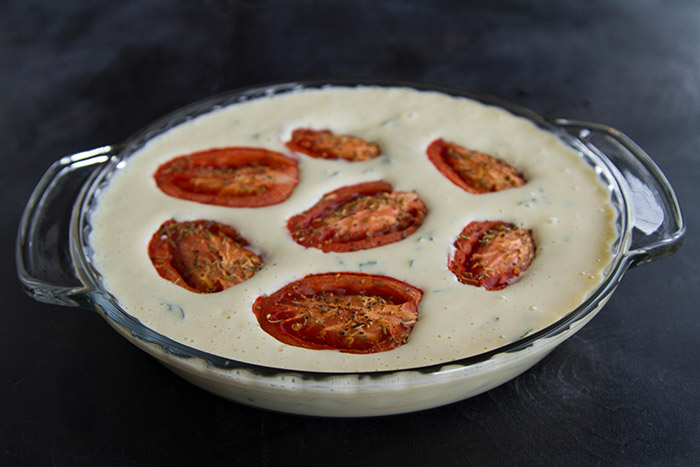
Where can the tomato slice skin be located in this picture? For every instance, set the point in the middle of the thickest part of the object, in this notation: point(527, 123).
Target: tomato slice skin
point(202, 256)
point(324, 144)
point(358, 217)
point(492, 254)
point(473, 171)
point(240, 177)
point(348, 311)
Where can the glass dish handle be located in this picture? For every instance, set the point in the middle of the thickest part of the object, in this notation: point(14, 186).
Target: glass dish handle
point(44, 264)
point(656, 215)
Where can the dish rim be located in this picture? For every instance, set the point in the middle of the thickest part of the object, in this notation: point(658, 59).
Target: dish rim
point(96, 295)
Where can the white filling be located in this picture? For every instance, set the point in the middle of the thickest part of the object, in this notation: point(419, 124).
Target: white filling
point(562, 202)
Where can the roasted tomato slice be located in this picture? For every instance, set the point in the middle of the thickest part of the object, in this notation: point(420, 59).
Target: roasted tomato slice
point(473, 171)
point(323, 144)
point(351, 312)
point(358, 217)
point(202, 256)
point(492, 254)
point(239, 177)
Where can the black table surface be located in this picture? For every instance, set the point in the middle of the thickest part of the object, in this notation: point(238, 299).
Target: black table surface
point(77, 75)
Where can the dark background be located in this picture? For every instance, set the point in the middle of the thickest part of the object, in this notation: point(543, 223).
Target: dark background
point(77, 75)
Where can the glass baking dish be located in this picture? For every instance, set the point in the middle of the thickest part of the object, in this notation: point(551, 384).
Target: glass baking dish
point(54, 266)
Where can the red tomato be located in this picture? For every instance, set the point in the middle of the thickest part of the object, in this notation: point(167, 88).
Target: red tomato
point(239, 177)
point(492, 254)
point(324, 144)
point(473, 171)
point(202, 256)
point(358, 217)
point(351, 312)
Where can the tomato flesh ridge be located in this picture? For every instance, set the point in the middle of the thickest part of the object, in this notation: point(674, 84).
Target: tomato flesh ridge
point(349, 312)
point(232, 177)
point(202, 256)
point(235, 181)
point(357, 217)
point(492, 254)
point(473, 171)
point(325, 144)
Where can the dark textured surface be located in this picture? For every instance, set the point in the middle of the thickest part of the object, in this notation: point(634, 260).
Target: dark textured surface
point(76, 75)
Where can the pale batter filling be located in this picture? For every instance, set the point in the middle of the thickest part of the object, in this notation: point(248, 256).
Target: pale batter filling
point(563, 203)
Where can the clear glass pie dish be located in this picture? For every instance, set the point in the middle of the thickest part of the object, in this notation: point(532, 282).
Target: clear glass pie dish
point(55, 266)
